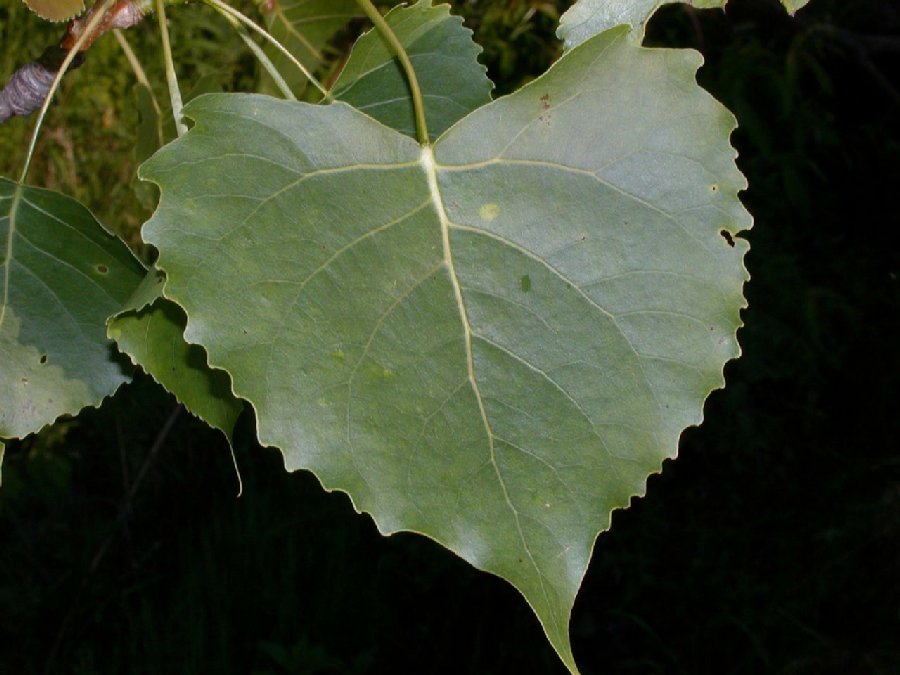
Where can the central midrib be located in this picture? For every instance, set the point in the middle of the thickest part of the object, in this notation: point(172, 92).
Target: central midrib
point(429, 166)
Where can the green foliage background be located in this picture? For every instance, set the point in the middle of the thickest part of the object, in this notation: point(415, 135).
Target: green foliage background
point(770, 545)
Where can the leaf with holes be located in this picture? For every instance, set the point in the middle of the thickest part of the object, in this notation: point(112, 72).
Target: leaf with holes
point(62, 276)
point(493, 341)
point(444, 57)
point(150, 329)
point(587, 18)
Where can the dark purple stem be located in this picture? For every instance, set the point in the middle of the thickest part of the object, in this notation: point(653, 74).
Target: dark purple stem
point(26, 90)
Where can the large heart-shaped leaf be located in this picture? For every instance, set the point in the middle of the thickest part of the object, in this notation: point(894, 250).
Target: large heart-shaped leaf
point(62, 276)
point(587, 18)
point(493, 342)
point(444, 57)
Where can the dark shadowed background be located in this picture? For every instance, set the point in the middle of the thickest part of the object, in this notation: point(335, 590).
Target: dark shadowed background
point(771, 545)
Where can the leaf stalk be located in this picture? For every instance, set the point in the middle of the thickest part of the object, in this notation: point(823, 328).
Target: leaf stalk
point(252, 25)
point(399, 51)
point(171, 77)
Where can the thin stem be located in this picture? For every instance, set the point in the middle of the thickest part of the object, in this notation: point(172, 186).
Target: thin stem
point(264, 60)
point(132, 58)
point(92, 25)
point(221, 6)
point(396, 46)
point(171, 78)
point(139, 73)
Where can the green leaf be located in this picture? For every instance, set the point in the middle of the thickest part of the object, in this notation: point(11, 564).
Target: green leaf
point(444, 57)
point(56, 10)
point(303, 27)
point(156, 127)
point(62, 276)
point(150, 330)
point(587, 18)
point(494, 344)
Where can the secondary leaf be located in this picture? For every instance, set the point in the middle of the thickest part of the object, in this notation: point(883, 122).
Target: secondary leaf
point(304, 27)
point(56, 10)
point(444, 57)
point(62, 276)
point(587, 18)
point(494, 344)
point(150, 329)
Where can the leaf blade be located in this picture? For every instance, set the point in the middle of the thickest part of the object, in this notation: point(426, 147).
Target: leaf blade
point(445, 59)
point(150, 329)
point(63, 275)
point(464, 356)
point(56, 10)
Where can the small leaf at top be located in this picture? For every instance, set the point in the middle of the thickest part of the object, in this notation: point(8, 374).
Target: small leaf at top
point(61, 276)
point(56, 10)
point(444, 57)
point(493, 342)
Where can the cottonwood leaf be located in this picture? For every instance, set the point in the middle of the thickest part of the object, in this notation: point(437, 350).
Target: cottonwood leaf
point(62, 276)
point(56, 10)
point(303, 27)
point(150, 329)
point(492, 343)
point(587, 18)
point(444, 56)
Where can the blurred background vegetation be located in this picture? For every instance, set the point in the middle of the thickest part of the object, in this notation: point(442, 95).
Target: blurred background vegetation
point(770, 546)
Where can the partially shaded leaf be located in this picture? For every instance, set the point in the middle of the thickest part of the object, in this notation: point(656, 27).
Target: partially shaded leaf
point(150, 329)
point(62, 276)
point(587, 18)
point(303, 27)
point(444, 57)
point(494, 344)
